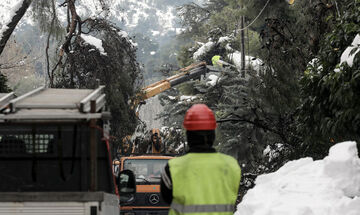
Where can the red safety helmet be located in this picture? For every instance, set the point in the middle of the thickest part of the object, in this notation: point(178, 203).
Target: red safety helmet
point(199, 117)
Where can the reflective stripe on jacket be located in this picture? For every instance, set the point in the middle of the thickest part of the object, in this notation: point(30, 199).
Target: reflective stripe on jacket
point(204, 183)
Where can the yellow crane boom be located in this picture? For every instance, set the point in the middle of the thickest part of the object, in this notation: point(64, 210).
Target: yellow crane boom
point(190, 72)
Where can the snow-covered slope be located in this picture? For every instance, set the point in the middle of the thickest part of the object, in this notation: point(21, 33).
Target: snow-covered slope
point(305, 187)
point(155, 18)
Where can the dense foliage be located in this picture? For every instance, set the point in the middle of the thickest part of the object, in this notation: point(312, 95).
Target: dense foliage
point(78, 63)
point(116, 68)
point(330, 106)
point(276, 106)
point(3, 85)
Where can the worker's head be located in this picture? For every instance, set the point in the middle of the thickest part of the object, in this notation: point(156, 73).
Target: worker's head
point(200, 125)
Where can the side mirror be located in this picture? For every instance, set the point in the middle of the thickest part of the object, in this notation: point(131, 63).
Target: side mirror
point(116, 168)
point(127, 186)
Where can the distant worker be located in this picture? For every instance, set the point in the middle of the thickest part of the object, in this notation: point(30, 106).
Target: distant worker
point(202, 181)
point(290, 1)
point(217, 62)
point(154, 138)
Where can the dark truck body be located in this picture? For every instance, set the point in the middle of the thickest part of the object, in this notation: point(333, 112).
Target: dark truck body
point(53, 158)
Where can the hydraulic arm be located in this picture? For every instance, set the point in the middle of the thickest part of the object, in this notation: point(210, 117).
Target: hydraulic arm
point(194, 71)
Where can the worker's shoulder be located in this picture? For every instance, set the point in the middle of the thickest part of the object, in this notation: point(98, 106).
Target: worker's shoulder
point(212, 156)
point(189, 157)
point(179, 158)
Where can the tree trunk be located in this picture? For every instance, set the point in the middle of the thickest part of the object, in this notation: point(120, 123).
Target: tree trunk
point(12, 24)
point(242, 48)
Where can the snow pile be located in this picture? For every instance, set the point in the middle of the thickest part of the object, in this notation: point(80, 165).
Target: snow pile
point(306, 187)
point(347, 56)
point(94, 42)
point(213, 80)
point(203, 49)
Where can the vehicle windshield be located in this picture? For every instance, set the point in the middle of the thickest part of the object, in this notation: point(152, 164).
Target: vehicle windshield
point(146, 170)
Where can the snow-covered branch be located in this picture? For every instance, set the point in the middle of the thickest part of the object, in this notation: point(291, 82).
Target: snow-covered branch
point(10, 24)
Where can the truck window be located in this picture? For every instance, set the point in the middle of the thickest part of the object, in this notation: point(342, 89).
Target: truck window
point(146, 170)
point(26, 143)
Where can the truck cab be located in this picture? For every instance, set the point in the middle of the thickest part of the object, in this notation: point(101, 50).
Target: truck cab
point(147, 199)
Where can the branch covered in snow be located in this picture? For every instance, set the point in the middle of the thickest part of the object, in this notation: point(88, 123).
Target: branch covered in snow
point(9, 25)
point(350, 52)
point(203, 49)
point(94, 42)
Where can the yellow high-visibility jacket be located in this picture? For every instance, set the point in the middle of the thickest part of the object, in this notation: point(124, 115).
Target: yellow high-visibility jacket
point(215, 59)
point(204, 183)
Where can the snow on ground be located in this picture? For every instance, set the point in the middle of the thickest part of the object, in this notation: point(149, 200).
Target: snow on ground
point(346, 56)
point(94, 42)
point(130, 13)
point(166, 19)
point(213, 79)
point(306, 187)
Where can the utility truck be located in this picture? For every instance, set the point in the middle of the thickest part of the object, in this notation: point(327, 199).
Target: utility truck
point(147, 200)
point(148, 162)
point(54, 154)
point(147, 167)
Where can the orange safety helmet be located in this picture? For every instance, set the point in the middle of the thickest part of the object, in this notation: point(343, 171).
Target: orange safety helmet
point(199, 117)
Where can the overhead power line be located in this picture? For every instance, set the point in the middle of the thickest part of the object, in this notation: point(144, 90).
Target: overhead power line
point(252, 22)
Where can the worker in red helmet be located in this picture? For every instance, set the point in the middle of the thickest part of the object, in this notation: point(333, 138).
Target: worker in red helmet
point(201, 181)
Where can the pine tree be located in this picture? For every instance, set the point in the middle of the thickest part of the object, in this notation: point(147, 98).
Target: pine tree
point(3, 84)
point(330, 109)
point(116, 68)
